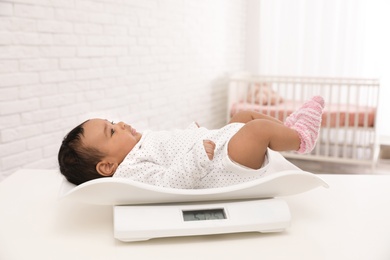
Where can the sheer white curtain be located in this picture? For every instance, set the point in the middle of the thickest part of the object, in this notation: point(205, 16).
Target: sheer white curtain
point(337, 38)
point(323, 37)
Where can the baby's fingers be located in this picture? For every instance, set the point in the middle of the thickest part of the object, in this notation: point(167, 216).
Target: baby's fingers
point(209, 147)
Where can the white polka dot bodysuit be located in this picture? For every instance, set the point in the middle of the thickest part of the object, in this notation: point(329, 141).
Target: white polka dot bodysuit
point(177, 159)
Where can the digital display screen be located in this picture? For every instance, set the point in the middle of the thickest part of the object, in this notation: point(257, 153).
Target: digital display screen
point(204, 214)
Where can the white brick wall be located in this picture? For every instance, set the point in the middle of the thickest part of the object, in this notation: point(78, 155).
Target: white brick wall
point(152, 63)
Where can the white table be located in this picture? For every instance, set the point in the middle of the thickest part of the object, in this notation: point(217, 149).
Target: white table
point(351, 220)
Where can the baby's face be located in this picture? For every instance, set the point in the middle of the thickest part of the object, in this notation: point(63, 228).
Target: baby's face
point(114, 140)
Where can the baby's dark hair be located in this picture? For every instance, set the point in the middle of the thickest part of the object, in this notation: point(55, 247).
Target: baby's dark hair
point(78, 162)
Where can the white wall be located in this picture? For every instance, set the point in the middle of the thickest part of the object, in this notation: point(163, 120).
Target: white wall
point(151, 63)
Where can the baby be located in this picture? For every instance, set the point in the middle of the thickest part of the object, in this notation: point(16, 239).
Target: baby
point(191, 158)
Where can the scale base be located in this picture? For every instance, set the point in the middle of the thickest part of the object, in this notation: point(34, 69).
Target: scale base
point(144, 222)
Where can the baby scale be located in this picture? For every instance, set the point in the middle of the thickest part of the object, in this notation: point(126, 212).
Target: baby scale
point(142, 211)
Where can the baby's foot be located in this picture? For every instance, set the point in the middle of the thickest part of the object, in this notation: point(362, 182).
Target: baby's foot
point(307, 122)
point(292, 118)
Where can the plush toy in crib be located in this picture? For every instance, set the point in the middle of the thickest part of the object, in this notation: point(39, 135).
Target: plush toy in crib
point(263, 94)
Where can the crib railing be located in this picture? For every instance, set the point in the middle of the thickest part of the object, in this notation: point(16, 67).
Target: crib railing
point(348, 132)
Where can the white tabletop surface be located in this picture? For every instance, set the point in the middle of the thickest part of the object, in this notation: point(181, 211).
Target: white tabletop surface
point(351, 220)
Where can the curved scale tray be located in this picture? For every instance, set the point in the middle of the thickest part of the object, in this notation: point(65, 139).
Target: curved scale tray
point(282, 179)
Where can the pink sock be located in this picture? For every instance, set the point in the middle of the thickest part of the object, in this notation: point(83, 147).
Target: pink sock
point(307, 122)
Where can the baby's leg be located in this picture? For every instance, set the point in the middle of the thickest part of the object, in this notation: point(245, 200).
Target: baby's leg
point(249, 145)
point(245, 116)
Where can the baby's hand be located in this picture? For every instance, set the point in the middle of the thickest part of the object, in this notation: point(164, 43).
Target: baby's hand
point(209, 147)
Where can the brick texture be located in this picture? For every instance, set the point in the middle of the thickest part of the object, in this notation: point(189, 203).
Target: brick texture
point(152, 63)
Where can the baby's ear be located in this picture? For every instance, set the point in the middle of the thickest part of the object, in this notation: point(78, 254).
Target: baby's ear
point(106, 168)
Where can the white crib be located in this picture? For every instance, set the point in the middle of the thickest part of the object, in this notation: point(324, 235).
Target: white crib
point(348, 131)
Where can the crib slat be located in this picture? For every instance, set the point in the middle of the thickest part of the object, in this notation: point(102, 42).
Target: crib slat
point(346, 123)
point(327, 124)
point(355, 125)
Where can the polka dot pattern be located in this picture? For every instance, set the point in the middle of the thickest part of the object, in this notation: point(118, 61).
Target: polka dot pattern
point(177, 159)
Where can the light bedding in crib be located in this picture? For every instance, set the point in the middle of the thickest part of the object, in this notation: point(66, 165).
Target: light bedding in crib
point(335, 115)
